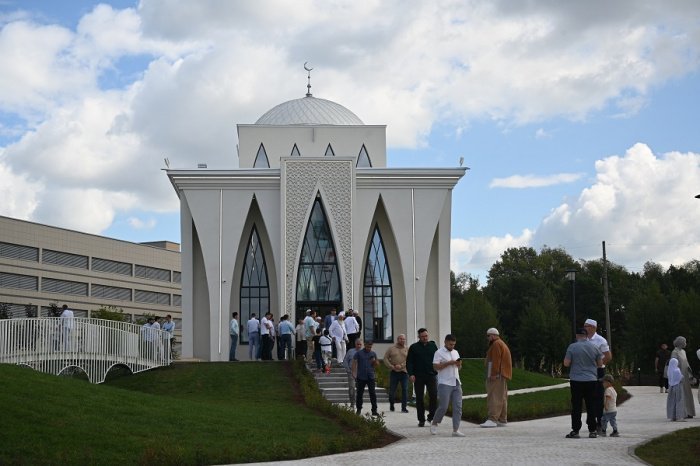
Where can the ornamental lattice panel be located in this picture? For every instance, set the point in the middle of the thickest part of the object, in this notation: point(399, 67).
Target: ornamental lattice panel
point(301, 180)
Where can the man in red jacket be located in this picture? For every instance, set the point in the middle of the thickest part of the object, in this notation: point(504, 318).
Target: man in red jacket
point(499, 370)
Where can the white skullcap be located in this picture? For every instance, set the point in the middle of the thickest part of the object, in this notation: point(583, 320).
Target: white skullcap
point(591, 322)
point(492, 331)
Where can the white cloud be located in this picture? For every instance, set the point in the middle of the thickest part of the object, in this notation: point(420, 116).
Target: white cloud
point(210, 65)
point(534, 181)
point(641, 204)
point(541, 133)
point(476, 255)
point(138, 224)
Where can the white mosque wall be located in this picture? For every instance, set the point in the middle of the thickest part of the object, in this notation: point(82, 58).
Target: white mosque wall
point(311, 141)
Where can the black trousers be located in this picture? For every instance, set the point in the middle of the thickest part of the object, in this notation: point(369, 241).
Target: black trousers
point(361, 391)
point(421, 383)
point(267, 345)
point(599, 397)
point(583, 391)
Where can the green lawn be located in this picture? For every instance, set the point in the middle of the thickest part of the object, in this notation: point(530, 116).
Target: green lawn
point(535, 405)
point(201, 413)
point(473, 375)
point(680, 447)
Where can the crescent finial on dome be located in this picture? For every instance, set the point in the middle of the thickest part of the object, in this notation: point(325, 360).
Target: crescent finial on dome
point(308, 85)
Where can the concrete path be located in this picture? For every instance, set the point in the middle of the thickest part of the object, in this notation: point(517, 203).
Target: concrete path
point(539, 442)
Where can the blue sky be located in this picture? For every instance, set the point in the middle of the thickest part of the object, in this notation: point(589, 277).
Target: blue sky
point(578, 121)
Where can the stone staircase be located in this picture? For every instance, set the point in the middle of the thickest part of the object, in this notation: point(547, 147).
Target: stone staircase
point(334, 386)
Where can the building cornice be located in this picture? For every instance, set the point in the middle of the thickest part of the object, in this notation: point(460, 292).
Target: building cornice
point(261, 178)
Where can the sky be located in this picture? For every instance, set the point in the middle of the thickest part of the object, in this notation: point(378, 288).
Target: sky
point(578, 120)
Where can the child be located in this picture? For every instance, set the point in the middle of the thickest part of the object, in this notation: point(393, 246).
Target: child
point(610, 407)
point(326, 350)
point(675, 404)
point(320, 366)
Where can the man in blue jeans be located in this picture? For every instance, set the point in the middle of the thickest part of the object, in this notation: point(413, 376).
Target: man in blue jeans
point(395, 360)
point(363, 365)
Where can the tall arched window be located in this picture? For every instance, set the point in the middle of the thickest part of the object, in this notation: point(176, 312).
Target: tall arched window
point(363, 160)
point(261, 160)
point(255, 289)
point(377, 293)
point(318, 280)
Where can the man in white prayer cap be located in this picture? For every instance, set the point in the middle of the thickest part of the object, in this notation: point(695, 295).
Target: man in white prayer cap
point(602, 344)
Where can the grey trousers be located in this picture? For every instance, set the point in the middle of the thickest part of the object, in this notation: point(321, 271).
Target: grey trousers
point(447, 394)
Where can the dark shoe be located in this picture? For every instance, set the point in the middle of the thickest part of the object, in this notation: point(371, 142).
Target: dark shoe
point(572, 434)
point(592, 435)
point(615, 434)
point(391, 407)
point(374, 413)
point(404, 410)
point(602, 434)
point(358, 412)
point(421, 423)
point(430, 418)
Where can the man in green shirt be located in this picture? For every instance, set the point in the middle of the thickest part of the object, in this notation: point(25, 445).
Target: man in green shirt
point(419, 365)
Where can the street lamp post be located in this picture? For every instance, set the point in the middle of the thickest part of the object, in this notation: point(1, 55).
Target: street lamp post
point(571, 276)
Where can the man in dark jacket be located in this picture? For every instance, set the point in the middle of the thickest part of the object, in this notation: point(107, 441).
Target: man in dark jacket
point(421, 373)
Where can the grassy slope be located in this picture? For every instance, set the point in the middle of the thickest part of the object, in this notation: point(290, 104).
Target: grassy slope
point(201, 413)
point(680, 447)
point(473, 375)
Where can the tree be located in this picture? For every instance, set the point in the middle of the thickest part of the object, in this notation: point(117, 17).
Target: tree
point(472, 315)
point(110, 313)
point(543, 335)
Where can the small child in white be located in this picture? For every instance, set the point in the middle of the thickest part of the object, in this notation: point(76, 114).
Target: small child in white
point(610, 407)
point(326, 350)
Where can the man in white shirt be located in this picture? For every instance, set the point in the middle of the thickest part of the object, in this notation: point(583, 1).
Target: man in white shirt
point(265, 326)
point(602, 344)
point(169, 326)
point(309, 332)
point(447, 363)
point(339, 336)
point(253, 328)
point(67, 323)
point(352, 328)
point(234, 331)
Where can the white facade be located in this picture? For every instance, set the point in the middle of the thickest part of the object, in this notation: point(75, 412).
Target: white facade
point(300, 161)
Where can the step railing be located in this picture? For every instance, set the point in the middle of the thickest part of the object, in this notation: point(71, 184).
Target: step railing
point(54, 344)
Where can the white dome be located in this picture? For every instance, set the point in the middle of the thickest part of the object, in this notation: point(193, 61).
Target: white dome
point(309, 111)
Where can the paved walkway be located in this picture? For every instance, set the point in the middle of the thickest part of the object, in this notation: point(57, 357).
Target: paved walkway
point(539, 442)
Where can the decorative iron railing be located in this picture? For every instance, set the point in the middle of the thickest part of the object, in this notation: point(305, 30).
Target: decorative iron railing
point(55, 344)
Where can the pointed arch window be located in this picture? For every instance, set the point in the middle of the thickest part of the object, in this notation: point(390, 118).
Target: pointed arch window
point(295, 151)
point(318, 279)
point(363, 160)
point(261, 160)
point(377, 293)
point(329, 151)
point(255, 288)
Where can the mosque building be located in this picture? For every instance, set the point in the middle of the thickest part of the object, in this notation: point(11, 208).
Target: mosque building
point(313, 218)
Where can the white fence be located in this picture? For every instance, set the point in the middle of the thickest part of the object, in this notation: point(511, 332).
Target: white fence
point(54, 344)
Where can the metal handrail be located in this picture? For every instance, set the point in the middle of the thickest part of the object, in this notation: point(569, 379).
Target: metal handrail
point(54, 344)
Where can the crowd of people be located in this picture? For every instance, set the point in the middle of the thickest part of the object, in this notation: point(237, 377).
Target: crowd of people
point(435, 370)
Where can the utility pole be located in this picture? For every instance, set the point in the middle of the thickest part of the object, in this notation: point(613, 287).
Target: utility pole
point(606, 298)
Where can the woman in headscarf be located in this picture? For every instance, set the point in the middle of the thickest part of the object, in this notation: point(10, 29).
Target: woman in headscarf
point(675, 405)
point(679, 353)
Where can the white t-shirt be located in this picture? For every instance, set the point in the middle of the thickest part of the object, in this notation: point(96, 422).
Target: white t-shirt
point(351, 325)
point(600, 343)
point(264, 329)
point(67, 315)
point(448, 375)
point(610, 400)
